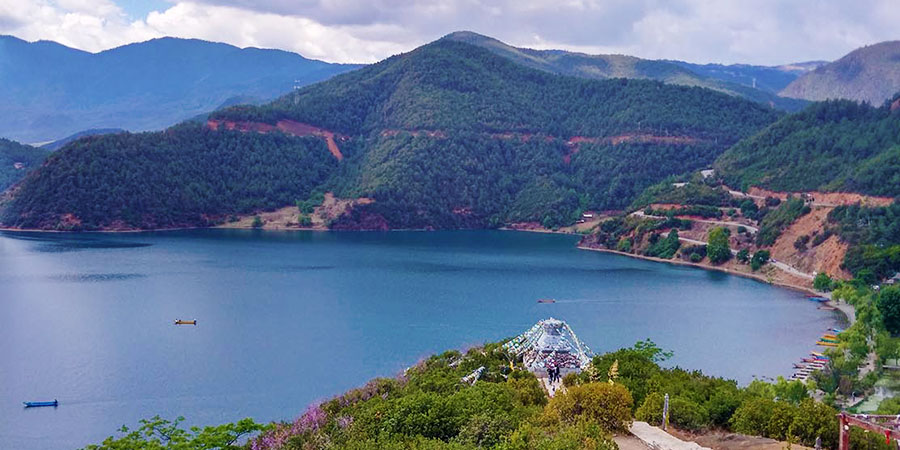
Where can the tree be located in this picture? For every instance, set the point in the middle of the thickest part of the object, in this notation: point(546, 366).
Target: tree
point(717, 248)
point(759, 259)
point(823, 282)
point(257, 222)
point(888, 303)
point(158, 434)
point(743, 256)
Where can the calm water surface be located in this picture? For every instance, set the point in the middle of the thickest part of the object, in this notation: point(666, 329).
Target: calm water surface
point(285, 319)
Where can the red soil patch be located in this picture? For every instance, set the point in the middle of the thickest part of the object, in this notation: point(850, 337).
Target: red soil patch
point(287, 126)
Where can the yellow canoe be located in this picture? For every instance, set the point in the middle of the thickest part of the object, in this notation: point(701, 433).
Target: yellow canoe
point(826, 344)
point(185, 322)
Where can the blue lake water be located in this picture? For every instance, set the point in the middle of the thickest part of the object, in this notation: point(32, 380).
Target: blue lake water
point(285, 319)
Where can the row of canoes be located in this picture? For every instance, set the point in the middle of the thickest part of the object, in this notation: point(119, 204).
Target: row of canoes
point(816, 361)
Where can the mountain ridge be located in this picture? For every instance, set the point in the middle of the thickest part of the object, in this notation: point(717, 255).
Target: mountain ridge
point(54, 91)
point(870, 73)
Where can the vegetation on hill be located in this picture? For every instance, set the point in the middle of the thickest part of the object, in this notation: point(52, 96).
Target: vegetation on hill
point(447, 136)
point(874, 237)
point(830, 146)
point(185, 176)
point(870, 74)
point(51, 91)
point(16, 160)
point(430, 407)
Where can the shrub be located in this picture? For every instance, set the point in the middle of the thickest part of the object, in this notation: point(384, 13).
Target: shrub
point(257, 222)
point(759, 259)
point(686, 414)
point(651, 410)
point(814, 419)
point(753, 416)
point(608, 405)
point(717, 249)
point(743, 255)
point(695, 257)
point(800, 242)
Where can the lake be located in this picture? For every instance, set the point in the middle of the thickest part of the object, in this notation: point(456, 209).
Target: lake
point(289, 318)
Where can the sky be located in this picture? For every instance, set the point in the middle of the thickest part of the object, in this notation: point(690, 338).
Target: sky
point(768, 32)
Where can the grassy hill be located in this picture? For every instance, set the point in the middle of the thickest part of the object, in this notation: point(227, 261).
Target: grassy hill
point(830, 146)
point(51, 91)
point(449, 135)
point(870, 74)
point(16, 160)
point(733, 80)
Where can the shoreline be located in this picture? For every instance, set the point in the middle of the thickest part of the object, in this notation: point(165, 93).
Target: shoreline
point(846, 310)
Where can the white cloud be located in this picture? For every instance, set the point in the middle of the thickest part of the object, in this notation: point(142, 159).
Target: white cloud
point(759, 32)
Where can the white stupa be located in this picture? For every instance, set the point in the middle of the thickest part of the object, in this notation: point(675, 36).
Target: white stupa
point(550, 343)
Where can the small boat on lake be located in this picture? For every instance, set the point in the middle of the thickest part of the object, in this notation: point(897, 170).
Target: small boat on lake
point(546, 300)
point(826, 344)
point(185, 322)
point(837, 330)
point(40, 404)
point(817, 299)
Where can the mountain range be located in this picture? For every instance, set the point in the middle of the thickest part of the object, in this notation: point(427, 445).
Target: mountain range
point(738, 79)
point(51, 91)
point(870, 74)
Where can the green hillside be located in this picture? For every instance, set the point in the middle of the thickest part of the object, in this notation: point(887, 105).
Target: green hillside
point(449, 135)
point(830, 146)
point(16, 160)
point(870, 74)
point(185, 176)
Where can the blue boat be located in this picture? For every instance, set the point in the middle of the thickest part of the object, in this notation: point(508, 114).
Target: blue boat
point(39, 404)
point(837, 330)
point(818, 299)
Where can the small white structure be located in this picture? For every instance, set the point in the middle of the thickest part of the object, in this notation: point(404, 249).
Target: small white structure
point(550, 343)
point(707, 173)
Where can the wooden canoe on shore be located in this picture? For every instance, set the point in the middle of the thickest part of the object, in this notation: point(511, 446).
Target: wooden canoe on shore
point(185, 322)
point(40, 404)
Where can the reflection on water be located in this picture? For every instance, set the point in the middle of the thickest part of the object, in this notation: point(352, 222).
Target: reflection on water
point(94, 277)
point(57, 243)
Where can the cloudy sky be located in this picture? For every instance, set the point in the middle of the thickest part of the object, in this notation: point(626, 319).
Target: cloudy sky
point(726, 31)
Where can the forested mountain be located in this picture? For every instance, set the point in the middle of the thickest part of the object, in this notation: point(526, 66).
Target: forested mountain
point(448, 135)
point(870, 74)
point(187, 175)
point(51, 91)
point(733, 80)
point(836, 145)
point(16, 160)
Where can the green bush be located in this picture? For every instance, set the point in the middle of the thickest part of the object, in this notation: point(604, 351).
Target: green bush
point(753, 416)
point(608, 405)
point(651, 410)
point(717, 248)
point(686, 414)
